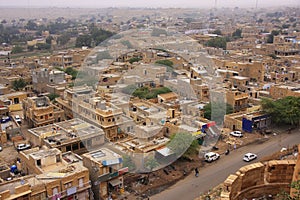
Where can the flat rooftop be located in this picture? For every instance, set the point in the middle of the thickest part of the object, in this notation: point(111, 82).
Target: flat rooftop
point(67, 130)
point(103, 154)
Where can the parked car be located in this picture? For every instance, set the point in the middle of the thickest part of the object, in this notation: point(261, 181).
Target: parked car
point(5, 119)
point(1, 148)
point(236, 133)
point(22, 146)
point(249, 157)
point(211, 156)
point(18, 119)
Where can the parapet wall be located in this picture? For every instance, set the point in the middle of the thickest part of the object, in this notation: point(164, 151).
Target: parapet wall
point(256, 180)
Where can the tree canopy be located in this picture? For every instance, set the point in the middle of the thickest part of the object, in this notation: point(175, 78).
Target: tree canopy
point(128, 162)
point(94, 38)
point(146, 93)
point(151, 163)
point(217, 42)
point(283, 111)
point(180, 143)
point(237, 33)
point(19, 84)
point(164, 62)
point(295, 185)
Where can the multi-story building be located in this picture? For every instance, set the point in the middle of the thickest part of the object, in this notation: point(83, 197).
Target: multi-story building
point(47, 80)
point(63, 175)
point(39, 111)
point(82, 102)
point(13, 101)
point(282, 90)
point(106, 172)
point(238, 100)
point(26, 187)
point(73, 135)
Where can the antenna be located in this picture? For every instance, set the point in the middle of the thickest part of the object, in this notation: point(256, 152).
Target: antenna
point(256, 3)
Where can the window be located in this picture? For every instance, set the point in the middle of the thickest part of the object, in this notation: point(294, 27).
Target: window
point(68, 148)
point(57, 158)
point(55, 190)
point(16, 101)
point(80, 182)
point(38, 162)
point(89, 143)
point(41, 117)
point(68, 185)
point(81, 145)
point(75, 146)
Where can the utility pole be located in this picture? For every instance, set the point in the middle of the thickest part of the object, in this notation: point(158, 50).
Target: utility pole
point(256, 3)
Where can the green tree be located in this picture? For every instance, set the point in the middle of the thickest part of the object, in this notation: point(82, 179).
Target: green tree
point(19, 84)
point(134, 59)
point(237, 33)
point(64, 39)
point(180, 143)
point(17, 49)
point(83, 40)
point(165, 62)
point(146, 93)
point(217, 42)
point(270, 38)
point(43, 46)
point(218, 32)
point(30, 48)
point(52, 96)
point(72, 72)
point(127, 162)
point(216, 111)
point(295, 185)
point(31, 25)
point(99, 35)
point(49, 40)
point(151, 163)
point(283, 111)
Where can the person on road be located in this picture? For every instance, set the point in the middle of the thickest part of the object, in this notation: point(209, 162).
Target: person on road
point(196, 172)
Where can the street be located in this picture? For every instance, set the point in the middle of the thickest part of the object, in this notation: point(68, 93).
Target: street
point(215, 173)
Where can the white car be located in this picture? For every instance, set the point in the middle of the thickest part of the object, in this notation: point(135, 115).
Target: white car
point(18, 119)
point(236, 133)
point(211, 156)
point(249, 157)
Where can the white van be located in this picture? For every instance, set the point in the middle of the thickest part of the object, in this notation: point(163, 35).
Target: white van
point(211, 156)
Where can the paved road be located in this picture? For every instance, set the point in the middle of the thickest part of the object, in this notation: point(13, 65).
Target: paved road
point(215, 173)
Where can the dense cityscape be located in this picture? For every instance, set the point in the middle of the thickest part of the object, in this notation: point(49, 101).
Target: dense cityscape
point(160, 103)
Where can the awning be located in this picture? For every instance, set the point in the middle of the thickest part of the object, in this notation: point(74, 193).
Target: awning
point(115, 182)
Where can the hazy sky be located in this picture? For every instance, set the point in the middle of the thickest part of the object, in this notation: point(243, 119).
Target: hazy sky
point(147, 3)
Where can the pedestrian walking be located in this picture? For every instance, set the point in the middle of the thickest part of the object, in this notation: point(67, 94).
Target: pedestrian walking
point(196, 172)
point(234, 146)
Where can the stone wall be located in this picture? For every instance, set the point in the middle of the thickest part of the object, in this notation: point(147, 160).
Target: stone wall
point(257, 179)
